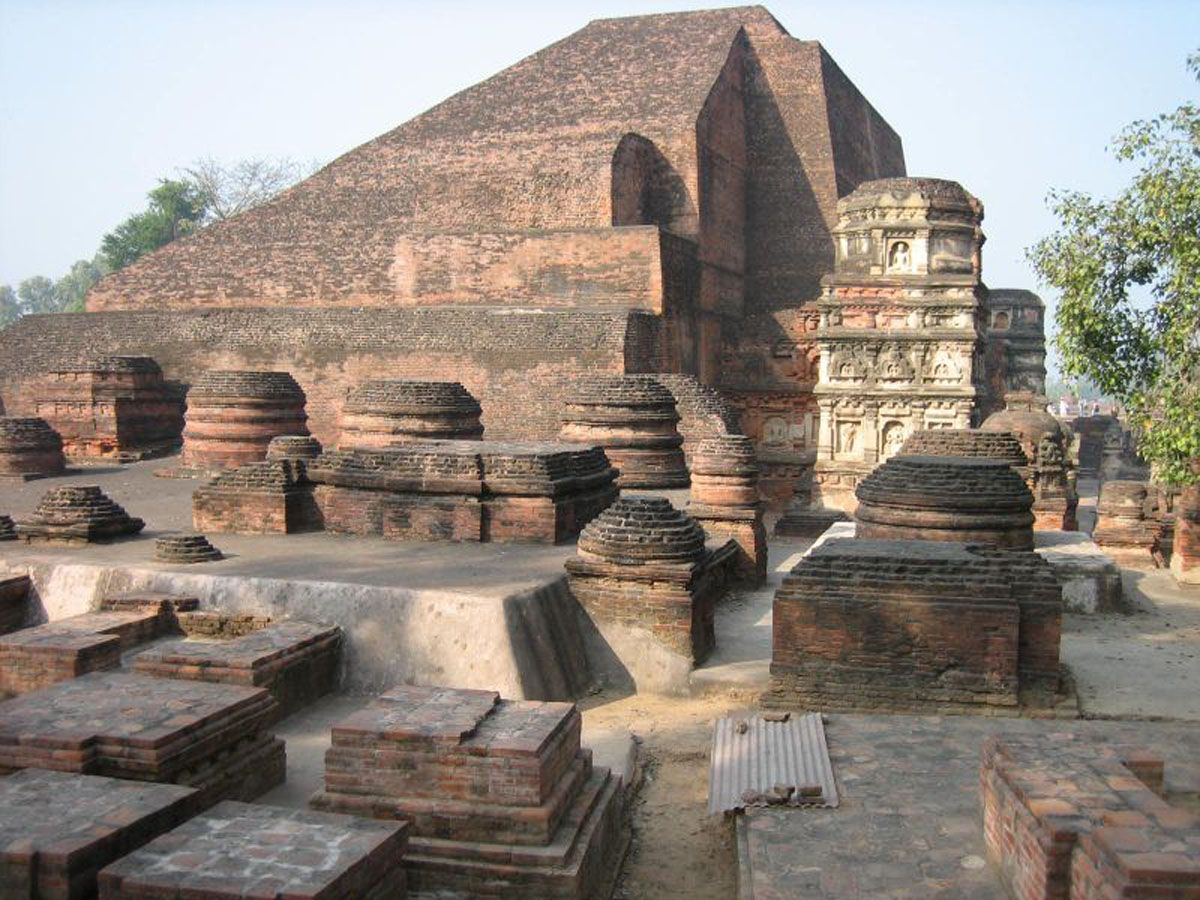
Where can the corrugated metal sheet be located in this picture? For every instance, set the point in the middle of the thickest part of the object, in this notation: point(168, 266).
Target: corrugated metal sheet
point(755, 761)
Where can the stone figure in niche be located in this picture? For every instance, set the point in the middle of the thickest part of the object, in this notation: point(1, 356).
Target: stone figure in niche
point(1049, 453)
point(848, 438)
point(898, 257)
point(776, 432)
point(893, 439)
point(1000, 321)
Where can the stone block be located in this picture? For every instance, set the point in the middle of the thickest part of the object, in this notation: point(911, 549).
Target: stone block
point(243, 852)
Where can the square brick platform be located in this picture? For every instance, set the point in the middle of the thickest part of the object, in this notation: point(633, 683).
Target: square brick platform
point(35, 658)
point(502, 799)
point(296, 661)
point(209, 736)
point(245, 852)
point(57, 830)
point(1064, 819)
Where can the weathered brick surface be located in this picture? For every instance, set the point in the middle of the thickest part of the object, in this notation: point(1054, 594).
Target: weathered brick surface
point(270, 497)
point(501, 799)
point(1123, 528)
point(1185, 554)
point(58, 830)
point(34, 658)
point(185, 548)
point(14, 601)
point(29, 448)
point(1066, 819)
point(633, 417)
point(296, 661)
point(866, 624)
point(233, 415)
point(1050, 473)
point(946, 498)
point(725, 500)
point(209, 736)
point(112, 406)
point(381, 414)
point(236, 851)
point(77, 515)
point(642, 563)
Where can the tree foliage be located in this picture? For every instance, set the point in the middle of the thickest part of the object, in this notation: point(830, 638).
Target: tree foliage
point(1128, 272)
point(41, 295)
point(230, 189)
point(176, 208)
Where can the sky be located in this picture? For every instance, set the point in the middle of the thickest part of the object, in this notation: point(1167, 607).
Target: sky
point(100, 99)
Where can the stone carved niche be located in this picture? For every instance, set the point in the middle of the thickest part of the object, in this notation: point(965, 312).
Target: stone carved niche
point(943, 368)
point(899, 257)
point(894, 367)
point(847, 366)
point(849, 439)
point(776, 432)
point(892, 437)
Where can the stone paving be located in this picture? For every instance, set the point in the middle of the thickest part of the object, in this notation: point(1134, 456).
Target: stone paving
point(910, 824)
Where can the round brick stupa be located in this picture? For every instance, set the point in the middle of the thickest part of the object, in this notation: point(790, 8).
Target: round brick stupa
point(186, 549)
point(381, 414)
point(635, 420)
point(29, 448)
point(232, 417)
point(971, 443)
point(946, 498)
point(725, 499)
point(643, 530)
point(297, 447)
point(78, 514)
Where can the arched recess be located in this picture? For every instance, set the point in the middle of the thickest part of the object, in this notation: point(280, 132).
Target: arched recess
point(646, 189)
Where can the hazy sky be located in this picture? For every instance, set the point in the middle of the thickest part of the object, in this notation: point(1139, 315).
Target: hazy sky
point(100, 99)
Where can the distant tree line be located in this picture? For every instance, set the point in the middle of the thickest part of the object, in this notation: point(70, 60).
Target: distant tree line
point(206, 192)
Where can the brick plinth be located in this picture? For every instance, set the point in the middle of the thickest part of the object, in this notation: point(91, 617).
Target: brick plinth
point(872, 624)
point(212, 737)
point(257, 498)
point(58, 830)
point(634, 418)
point(464, 490)
point(725, 500)
point(1064, 818)
point(34, 658)
point(14, 601)
point(380, 414)
point(29, 448)
point(1185, 554)
point(296, 661)
point(77, 515)
point(232, 417)
point(1124, 529)
point(946, 498)
point(294, 447)
point(236, 851)
point(116, 407)
point(501, 799)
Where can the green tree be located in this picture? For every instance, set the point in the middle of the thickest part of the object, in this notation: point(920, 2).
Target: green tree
point(71, 290)
point(10, 306)
point(1128, 272)
point(37, 295)
point(175, 209)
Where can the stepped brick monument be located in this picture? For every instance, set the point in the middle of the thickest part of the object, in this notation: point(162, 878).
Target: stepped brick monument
point(232, 417)
point(116, 407)
point(884, 624)
point(257, 498)
point(1066, 817)
point(946, 498)
point(58, 830)
point(1125, 528)
point(185, 548)
point(212, 737)
point(500, 798)
point(77, 515)
point(236, 851)
point(634, 419)
point(29, 448)
point(381, 414)
point(972, 443)
point(725, 500)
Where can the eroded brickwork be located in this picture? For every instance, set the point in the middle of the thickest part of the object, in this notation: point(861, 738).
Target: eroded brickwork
point(725, 500)
point(1124, 529)
point(233, 415)
point(259, 498)
point(29, 448)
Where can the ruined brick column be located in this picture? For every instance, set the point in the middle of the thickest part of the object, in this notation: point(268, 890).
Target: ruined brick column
point(946, 498)
point(29, 448)
point(78, 514)
point(1123, 529)
point(112, 406)
point(641, 566)
point(1185, 554)
point(725, 500)
point(232, 417)
point(634, 418)
point(380, 414)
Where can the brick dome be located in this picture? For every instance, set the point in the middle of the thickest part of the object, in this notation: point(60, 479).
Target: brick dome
point(966, 442)
point(380, 414)
point(293, 446)
point(233, 415)
point(245, 385)
point(636, 530)
point(1029, 425)
point(946, 498)
point(29, 447)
